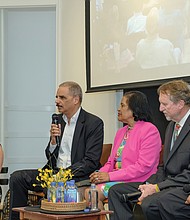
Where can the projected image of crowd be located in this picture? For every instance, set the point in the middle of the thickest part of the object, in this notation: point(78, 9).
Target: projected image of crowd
point(145, 33)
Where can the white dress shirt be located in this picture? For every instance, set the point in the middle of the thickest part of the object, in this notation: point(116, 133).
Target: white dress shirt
point(64, 157)
point(181, 123)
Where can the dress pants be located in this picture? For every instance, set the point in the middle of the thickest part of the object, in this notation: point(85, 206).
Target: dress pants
point(172, 205)
point(168, 204)
point(122, 209)
point(20, 182)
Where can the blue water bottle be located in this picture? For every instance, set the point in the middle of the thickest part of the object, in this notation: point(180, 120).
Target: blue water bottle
point(67, 185)
point(49, 194)
point(72, 192)
point(60, 192)
point(53, 192)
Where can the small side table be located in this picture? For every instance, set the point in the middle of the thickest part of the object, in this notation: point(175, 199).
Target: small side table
point(25, 214)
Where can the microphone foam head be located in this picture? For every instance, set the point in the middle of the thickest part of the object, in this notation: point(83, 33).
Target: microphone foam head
point(55, 118)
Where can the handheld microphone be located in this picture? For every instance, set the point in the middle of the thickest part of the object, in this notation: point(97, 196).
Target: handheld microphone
point(55, 120)
point(130, 196)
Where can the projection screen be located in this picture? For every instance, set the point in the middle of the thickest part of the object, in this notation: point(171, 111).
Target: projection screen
point(136, 43)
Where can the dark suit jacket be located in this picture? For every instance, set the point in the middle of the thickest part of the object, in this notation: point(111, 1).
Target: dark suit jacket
point(86, 147)
point(175, 170)
point(186, 188)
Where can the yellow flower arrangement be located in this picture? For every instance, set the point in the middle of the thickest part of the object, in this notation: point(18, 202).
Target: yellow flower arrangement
point(47, 176)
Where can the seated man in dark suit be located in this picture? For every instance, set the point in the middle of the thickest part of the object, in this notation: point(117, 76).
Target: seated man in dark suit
point(174, 98)
point(75, 143)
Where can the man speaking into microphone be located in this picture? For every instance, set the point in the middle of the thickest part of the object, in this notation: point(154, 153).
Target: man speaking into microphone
point(76, 139)
point(79, 133)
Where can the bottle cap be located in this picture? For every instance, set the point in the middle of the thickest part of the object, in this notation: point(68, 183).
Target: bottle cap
point(60, 184)
point(72, 181)
point(93, 186)
point(53, 183)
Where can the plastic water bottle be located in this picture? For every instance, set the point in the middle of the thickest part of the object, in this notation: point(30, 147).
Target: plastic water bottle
point(49, 194)
point(67, 185)
point(93, 198)
point(75, 186)
point(53, 192)
point(73, 183)
point(60, 192)
point(72, 192)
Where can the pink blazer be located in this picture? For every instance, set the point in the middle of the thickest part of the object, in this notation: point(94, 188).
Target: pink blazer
point(140, 156)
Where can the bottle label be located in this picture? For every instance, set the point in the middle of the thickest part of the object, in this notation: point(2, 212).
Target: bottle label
point(53, 196)
point(71, 195)
point(59, 194)
point(49, 194)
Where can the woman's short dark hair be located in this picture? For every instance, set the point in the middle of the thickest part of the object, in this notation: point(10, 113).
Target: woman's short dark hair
point(138, 104)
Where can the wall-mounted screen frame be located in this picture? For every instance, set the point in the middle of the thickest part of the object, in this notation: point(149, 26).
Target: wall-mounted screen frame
point(112, 65)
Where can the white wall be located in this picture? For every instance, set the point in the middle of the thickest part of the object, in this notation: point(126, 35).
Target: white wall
point(29, 84)
point(70, 65)
point(73, 65)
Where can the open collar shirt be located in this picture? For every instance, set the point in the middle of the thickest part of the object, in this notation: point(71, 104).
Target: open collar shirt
point(181, 123)
point(64, 157)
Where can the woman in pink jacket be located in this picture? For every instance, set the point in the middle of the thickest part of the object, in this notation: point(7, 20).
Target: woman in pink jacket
point(136, 149)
